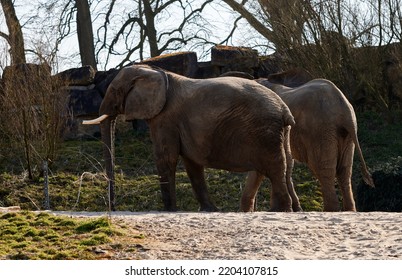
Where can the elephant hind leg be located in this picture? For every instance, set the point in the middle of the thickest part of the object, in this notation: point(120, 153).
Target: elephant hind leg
point(323, 162)
point(281, 200)
point(344, 174)
point(330, 197)
point(196, 174)
point(326, 176)
point(253, 182)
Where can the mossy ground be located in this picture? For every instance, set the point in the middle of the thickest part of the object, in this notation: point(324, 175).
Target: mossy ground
point(29, 235)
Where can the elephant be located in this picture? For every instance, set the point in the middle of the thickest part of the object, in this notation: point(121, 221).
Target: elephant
point(324, 137)
point(224, 123)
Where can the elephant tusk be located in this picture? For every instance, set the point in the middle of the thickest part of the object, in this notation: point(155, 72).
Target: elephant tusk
point(96, 121)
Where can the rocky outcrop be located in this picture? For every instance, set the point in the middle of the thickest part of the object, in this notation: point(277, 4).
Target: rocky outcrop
point(83, 100)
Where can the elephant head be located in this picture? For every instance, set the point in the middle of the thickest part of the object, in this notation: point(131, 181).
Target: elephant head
point(135, 92)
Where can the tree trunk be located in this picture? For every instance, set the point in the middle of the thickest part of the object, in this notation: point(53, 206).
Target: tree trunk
point(151, 30)
point(85, 34)
point(15, 37)
point(107, 131)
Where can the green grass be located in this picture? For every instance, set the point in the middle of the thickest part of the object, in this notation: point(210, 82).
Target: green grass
point(28, 235)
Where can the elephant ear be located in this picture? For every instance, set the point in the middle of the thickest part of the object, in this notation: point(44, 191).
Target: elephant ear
point(147, 94)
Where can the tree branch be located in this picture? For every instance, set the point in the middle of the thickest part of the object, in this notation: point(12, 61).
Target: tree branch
point(255, 23)
point(6, 37)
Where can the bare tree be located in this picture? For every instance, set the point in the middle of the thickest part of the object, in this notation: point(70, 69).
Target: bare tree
point(333, 39)
point(152, 28)
point(15, 37)
point(32, 113)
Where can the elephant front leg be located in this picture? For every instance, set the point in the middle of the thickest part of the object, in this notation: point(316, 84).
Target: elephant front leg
point(166, 166)
point(168, 189)
point(166, 153)
point(326, 177)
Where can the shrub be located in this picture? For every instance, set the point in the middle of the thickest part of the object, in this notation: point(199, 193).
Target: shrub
point(387, 194)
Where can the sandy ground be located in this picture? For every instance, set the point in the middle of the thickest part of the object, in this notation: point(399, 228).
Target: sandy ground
point(265, 235)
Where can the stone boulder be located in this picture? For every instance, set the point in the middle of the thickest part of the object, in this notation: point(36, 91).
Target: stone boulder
point(270, 64)
point(183, 63)
point(82, 76)
point(207, 70)
point(83, 101)
point(103, 79)
point(235, 59)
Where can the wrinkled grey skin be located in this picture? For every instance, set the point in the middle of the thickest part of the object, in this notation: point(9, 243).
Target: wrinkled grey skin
point(324, 137)
point(225, 123)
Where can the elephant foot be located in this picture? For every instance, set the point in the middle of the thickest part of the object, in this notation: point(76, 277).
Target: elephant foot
point(170, 209)
point(351, 208)
point(209, 208)
point(281, 209)
point(331, 208)
point(297, 208)
point(250, 209)
point(247, 204)
point(281, 203)
point(247, 207)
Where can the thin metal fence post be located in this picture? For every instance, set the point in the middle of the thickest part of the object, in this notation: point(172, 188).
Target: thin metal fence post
point(46, 185)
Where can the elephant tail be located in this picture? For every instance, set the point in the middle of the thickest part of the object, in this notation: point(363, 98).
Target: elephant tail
point(365, 173)
point(287, 117)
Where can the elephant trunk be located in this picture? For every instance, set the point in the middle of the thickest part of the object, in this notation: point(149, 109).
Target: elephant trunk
point(107, 131)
